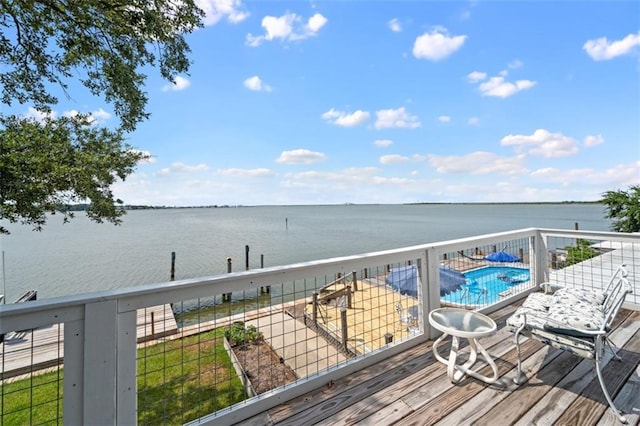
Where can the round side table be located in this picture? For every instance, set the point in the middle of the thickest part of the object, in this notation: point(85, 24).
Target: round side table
point(461, 323)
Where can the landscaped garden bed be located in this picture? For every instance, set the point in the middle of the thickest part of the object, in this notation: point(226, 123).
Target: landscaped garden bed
point(258, 365)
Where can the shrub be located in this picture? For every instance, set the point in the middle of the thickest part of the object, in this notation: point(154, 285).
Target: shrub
point(239, 334)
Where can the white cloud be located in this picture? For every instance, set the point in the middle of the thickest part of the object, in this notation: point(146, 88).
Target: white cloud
point(101, 114)
point(390, 118)
point(95, 117)
point(477, 163)
point(476, 76)
point(300, 156)
point(393, 159)
point(343, 119)
point(436, 45)
point(182, 168)
point(616, 176)
point(394, 25)
point(602, 49)
point(287, 27)
point(255, 83)
point(383, 143)
point(472, 121)
point(71, 113)
point(149, 158)
point(179, 83)
point(400, 159)
point(314, 24)
point(351, 181)
point(543, 143)
point(500, 88)
point(40, 116)
point(593, 140)
point(215, 10)
point(235, 172)
point(444, 119)
point(515, 64)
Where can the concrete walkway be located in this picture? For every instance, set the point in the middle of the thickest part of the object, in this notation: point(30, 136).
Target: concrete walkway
point(302, 349)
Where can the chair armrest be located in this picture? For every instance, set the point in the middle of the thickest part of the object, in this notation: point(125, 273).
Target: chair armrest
point(550, 288)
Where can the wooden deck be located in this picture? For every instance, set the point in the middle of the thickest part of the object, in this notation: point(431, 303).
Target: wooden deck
point(412, 388)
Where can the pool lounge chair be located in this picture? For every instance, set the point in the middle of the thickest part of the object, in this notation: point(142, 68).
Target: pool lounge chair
point(575, 320)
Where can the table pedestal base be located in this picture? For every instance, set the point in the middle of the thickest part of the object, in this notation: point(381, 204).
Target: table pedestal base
point(456, 372)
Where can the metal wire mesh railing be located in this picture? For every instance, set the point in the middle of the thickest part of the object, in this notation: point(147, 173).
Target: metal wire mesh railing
point(31, 379)
point(216, 344)
point(489, 273)
point(231, 347)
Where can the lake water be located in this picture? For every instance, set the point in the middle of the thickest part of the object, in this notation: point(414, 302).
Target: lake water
point(82, 256)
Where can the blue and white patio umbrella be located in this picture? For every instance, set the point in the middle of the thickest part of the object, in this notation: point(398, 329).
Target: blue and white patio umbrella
point(502, 256)
point(450, 280)
point(405, 280)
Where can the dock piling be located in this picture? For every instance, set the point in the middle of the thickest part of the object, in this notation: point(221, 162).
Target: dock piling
point(173, 266)
point(343, 321)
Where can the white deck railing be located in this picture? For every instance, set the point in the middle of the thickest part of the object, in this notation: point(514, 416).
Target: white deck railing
point(108, 341)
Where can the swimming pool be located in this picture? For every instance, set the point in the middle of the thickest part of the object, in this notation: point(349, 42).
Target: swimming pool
point(484, 285)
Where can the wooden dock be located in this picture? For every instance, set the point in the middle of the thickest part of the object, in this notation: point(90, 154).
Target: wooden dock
point(31, 350)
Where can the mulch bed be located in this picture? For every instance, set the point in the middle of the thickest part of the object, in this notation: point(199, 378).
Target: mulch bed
point(263, 367)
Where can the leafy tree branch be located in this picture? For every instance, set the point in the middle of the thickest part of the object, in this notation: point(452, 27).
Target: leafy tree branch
point(108, 46)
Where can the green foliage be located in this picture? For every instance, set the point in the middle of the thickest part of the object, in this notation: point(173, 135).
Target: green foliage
point(105, 43)
point(239, 334)
point(80, 162)
point(624, 208)
point(580, 252)
point(108, 46)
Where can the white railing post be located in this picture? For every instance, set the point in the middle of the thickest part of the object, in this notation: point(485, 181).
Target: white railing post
point(539, 250)
point(73, 404)
point(100, 363)
point(126, 382)
point(431, 294)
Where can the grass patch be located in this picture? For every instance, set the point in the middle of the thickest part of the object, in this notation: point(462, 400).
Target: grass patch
point(178, 381)
point(36, 400)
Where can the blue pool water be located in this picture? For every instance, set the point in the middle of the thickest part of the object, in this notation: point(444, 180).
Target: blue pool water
point(484, 285)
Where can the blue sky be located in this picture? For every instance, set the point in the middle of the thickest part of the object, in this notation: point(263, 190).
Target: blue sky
point(393, 102)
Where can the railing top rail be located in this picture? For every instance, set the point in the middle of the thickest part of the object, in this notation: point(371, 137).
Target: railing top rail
point(222, 282)
point(141, 296)
point(603, 235)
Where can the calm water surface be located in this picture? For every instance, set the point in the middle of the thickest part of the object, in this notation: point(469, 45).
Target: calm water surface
point(82, 256)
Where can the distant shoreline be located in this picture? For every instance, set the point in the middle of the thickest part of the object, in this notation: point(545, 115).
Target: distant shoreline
point(83, 207)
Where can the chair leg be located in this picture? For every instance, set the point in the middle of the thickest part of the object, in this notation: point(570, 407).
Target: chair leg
point(611, 345)
point(516, 379)
point(606, 393)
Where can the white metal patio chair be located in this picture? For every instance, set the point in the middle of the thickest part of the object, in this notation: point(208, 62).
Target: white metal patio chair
point(575, 320)
point(407, 321)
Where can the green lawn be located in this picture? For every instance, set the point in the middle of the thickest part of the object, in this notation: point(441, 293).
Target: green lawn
point(178, 381)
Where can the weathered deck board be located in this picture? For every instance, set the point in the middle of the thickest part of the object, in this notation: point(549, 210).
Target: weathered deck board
point(395, 371)
point(557, 399)
point(412, 388)
point(398, 374)
point(591, 404)
point(163, 323)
